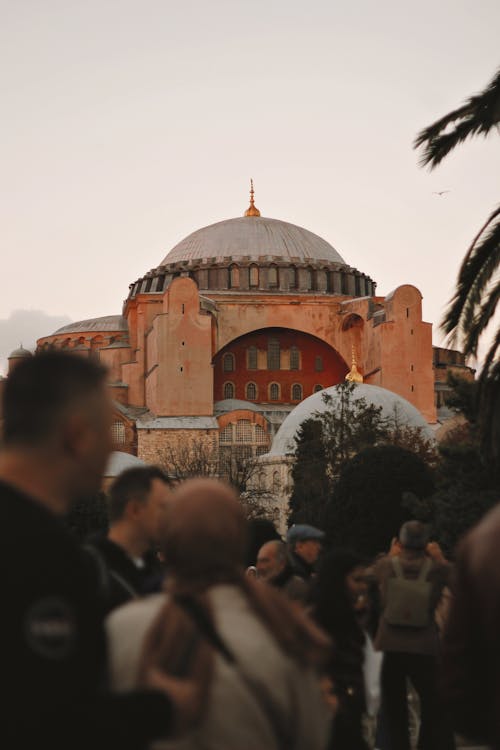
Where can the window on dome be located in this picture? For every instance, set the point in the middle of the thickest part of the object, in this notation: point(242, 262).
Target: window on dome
point(228, 362)
point(292, 278)
point(234, 277)
point(228, 390)
point(251, 391)
point(118, 433)
point(317, 388)
point(272, 277)
point(254, 276)
point(318, 363)
point(252, 358)
point(296, 392)
point(274, 392)
point(294, 358)
point(273, 354)
point(308, 278)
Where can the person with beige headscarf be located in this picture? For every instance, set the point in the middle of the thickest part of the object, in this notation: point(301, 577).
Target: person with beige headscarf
point(262, 691)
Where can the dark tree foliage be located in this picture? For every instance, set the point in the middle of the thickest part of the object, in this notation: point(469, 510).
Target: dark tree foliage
point(311, 484)
point(466, 486)
point(369, 501)
point(88, 516)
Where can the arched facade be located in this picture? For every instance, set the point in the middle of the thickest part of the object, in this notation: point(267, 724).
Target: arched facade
point(289, 359)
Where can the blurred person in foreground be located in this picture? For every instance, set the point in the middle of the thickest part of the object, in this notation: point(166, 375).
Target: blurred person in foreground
point(340, 606)
point(56, 441)
point(471, 644)
point(126, 557)
point(263, 692)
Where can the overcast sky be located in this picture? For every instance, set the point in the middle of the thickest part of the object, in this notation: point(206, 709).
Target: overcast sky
point(126, 125)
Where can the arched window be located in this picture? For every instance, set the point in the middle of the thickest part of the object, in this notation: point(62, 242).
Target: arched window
point(234, 277)
point(317, 388)
point(228, 390)
point(118, 433)
point(261, 435)
point(244, 431)
point(252, 358)
point(273, 354)
point(251, 391)
point(274, 392)
point(294, 358)
point(318, 363)
point(296, 392)
point(228, 362)
point(254, 276)
point(226, 434)
point(272, 277)
point(292, 277)
point(308, 278)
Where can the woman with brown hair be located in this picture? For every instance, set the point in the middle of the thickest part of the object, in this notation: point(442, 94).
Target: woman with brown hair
point(261, 690)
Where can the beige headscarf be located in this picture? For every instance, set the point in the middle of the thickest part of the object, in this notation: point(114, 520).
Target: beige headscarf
point(204, 540)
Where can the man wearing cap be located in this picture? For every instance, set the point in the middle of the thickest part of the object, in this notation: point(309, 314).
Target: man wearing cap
point(411, 580)
point(304, 547)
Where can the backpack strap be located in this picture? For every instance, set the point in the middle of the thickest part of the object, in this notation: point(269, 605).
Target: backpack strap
point(206, 627)
point(397, 567)
point(424, 570)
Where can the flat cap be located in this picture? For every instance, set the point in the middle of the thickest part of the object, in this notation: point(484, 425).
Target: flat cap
point(301, 532)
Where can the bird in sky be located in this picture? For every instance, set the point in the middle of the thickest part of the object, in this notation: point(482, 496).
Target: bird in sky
point(440, 192)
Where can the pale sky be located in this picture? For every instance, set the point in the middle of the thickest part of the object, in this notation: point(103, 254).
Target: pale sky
point(127, 125)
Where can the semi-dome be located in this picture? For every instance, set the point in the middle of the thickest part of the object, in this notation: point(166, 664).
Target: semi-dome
point(390, 402)
point(106, 323)
point(253, 237)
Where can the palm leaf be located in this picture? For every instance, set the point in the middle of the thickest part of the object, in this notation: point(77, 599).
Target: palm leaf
point(478, 267)
point(477, 116)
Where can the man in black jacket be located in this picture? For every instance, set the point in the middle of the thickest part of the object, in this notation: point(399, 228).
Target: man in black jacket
point(126, 556)
point(56, 441)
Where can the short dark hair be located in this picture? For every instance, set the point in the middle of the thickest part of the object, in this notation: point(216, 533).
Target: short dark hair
point(41, 388)
point(414, 535)
point(132, 484)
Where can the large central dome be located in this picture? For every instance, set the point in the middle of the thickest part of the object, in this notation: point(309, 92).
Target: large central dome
point(253, 237)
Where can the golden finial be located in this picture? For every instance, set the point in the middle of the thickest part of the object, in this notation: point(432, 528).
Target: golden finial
point(252, 210)
point(354, 375)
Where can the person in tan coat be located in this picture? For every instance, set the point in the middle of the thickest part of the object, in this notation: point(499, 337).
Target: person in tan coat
point(264, 691)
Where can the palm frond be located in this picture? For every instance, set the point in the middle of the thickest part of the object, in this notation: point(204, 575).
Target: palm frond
point(477, 116)
point(478, 267)
point(489, 404)
point(482, 319)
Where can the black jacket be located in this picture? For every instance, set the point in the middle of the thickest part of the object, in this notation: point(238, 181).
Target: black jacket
point(53, 643)
point(120, 578)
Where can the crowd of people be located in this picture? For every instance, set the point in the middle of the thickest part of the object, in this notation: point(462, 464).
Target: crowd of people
point(186, 626)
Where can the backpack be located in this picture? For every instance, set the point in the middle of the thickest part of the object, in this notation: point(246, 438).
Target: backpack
point(408, 600)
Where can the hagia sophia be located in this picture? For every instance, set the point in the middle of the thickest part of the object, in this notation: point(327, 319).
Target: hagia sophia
point(241, 322)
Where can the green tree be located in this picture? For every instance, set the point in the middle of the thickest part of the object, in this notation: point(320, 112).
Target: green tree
point(348, 424)
point(477, 293)
point(311, 482)
point(369, 500)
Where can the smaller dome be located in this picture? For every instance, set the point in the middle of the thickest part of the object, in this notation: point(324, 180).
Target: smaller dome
point(20, 353)
point(284, 442)
point(120, 461)
point(106, 323)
